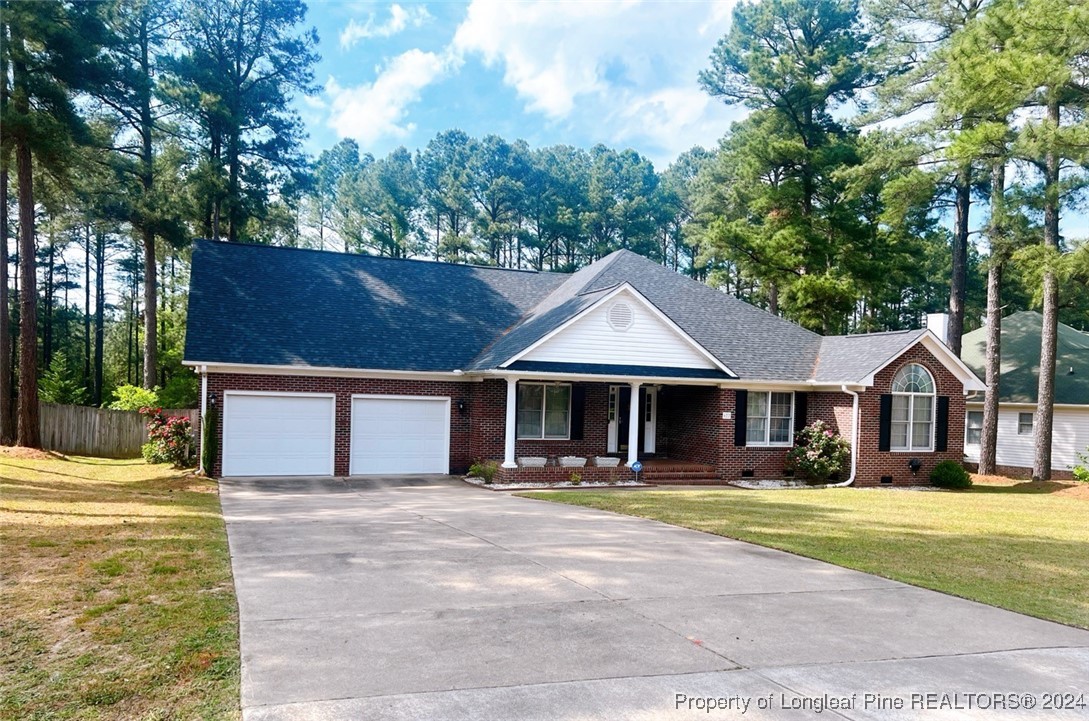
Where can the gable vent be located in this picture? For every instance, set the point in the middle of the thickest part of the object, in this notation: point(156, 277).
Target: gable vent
point(621, 316)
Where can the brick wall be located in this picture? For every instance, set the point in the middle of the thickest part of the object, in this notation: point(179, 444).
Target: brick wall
point(344, 388)
point(872, 463)
point(488, 413)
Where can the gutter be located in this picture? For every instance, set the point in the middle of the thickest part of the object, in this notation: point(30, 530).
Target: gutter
point(203, 409)
point(854, 441)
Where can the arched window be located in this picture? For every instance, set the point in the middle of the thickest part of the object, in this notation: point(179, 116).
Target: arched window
point(912, 427)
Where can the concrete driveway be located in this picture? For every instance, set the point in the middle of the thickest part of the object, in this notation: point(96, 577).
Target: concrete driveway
point(428, 599)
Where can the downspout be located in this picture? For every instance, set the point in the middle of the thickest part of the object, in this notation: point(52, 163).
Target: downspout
point(203, 410)
point(854, 440)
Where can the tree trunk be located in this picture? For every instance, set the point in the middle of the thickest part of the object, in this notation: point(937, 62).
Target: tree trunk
point(7, 416)
point(959, 282)
point(988, 443)
point(100, 315)
point(87, 305)
point(47, 321)
point(151, 327)
point(29, 432)
point(1045, 392)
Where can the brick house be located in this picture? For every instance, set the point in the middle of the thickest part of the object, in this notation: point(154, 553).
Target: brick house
point(329, 364)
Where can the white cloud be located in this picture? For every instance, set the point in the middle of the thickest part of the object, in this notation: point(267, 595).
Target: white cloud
point(556, 54)
point(371, 111)
point(399, 19)
point(664, 123)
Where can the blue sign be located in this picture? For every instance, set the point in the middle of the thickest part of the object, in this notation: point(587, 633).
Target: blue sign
point(637, 466)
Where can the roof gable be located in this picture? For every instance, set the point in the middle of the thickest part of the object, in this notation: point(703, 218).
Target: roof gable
point(623, 328)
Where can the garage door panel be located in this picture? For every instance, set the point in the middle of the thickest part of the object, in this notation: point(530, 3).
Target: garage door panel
point(400, 435)
point(278, 435)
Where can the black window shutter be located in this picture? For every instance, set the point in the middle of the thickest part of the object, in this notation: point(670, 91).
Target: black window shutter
point(578, 411)
point(941, 425)
point(884, 433)
point(801, 408)
point(741, 415)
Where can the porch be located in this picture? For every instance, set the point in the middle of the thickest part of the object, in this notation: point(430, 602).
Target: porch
point(673, 429)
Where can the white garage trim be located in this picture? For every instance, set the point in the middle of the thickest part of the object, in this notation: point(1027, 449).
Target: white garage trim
point(445, 400)
point(281, 394)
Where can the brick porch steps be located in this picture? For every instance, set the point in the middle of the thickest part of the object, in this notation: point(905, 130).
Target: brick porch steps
point(661, 472)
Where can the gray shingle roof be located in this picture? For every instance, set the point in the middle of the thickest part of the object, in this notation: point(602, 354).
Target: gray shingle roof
point(262, 305)
point(751, 342)
point(853, 357)
point(283, 306)
point(1021, 360)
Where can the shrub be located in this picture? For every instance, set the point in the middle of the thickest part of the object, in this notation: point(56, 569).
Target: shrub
point(575, 478)
point(181, 391)
point(1081, 470)
point(170, 438)
point(485, 470)
point(950, 474)
point(818, 452)
point(133, 398)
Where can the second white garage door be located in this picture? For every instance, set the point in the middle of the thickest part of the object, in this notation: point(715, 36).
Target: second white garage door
point(400, 434)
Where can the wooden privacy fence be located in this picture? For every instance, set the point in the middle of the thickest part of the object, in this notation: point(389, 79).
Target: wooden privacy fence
point(87, 431)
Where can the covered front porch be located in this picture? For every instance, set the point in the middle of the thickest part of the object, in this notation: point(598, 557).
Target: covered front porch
point(561, 428)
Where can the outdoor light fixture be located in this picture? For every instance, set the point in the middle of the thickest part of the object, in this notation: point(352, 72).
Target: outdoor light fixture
point(915, 464)
point(212, 400)
point(462, 407)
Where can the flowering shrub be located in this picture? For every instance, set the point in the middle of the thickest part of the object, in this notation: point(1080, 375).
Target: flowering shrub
point(170, 438)
point(818, 452)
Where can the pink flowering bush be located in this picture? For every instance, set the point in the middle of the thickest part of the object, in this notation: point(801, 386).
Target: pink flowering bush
point(818, 452)
point(170, 438)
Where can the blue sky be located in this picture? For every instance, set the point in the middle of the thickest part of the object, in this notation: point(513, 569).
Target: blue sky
point(616, 72)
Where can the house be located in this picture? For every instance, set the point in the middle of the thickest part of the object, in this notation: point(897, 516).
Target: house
point(331, 364)
point(1018, 384)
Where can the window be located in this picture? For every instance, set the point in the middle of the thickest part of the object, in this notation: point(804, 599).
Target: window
point(769, 419)
point(973, 428)
point(1024, 424)
point(912, 425)
point(544, 411)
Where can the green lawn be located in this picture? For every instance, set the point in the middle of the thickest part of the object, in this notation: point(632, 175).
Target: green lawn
point(1017, 545)
point(117, 592)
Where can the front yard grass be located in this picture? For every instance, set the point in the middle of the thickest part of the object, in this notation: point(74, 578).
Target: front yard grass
point(1018, 545)
point(117, 596)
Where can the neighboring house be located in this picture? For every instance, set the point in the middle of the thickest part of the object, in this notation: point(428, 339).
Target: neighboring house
point(331, 364)
point(1018, 385)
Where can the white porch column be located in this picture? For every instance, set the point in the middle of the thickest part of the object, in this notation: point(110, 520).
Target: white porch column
point(512, 423)
point(633, 425)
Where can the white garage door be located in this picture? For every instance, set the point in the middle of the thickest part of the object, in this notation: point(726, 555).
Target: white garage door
point(277, 435)
point(398, 434)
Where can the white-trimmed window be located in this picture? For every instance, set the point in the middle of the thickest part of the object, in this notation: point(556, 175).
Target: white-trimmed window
point(973, 428)
point(913, 400)
point(544, 411)
point(769, 419)
point(1024, 424)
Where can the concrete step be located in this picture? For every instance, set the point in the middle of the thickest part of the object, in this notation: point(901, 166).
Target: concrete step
point(674, 481)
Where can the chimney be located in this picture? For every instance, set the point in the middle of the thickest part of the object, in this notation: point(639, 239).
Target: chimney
point(939, 324)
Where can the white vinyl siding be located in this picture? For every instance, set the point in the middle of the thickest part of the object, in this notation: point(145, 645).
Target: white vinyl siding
point(400, 434)
point(544, 411)
point(1069, 435)
point(769, 419)
point(277, 434)
point(648, 341)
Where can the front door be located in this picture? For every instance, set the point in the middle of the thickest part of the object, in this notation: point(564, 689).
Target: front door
point(620, 417)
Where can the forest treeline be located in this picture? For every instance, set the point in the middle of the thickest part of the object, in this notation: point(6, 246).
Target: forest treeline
point(898, 157)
